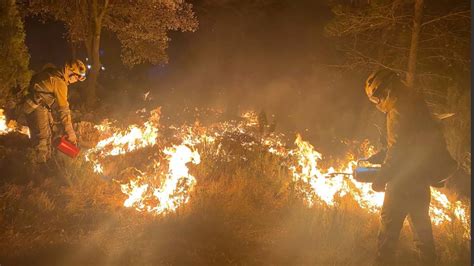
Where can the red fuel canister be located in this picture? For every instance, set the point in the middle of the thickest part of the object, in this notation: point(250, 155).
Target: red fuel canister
point(67, 147)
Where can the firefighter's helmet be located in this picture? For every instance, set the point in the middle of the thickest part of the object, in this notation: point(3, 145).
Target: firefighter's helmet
point(77, 67)
point(377, 83)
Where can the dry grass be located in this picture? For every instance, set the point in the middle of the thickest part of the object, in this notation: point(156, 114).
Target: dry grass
point(242, 212)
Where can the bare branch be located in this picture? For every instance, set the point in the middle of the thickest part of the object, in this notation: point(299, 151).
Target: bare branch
point(463, 14)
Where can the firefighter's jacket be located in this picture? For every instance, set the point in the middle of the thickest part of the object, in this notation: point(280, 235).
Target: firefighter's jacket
point(50, 86)
point(416, 148)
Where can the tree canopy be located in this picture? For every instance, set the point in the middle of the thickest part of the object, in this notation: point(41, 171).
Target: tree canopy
point(14, 70)
point(376, 34)
point(141, 26)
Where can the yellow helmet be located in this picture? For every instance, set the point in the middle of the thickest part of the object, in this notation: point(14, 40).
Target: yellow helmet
point(77, 67)
point(377, 83)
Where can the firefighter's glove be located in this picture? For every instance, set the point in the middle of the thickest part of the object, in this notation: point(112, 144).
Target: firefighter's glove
point(377, 158)
point(65, 117)
point(71, 136)
point(378, 185)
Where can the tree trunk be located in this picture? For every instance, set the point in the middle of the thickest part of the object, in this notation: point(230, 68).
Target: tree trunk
point(93, 48)
point(73, 47)
point(91, 96)
point(415, 36)
point(93, 53)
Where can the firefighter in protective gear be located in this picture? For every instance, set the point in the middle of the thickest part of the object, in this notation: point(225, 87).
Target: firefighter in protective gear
point(46, 88)
point(413, 138)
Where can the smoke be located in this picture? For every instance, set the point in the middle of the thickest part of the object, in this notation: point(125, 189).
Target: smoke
point(275, 60)
point(270, 56)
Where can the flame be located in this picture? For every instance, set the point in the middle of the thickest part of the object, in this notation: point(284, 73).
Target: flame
point(174, 190)
point(151, 191)
point(327, 190)
point(170, 193)
point(3, 123)
point(442, 210)
point(159, 191)
point(122, 142)
point(162, 190)
point(12, 126)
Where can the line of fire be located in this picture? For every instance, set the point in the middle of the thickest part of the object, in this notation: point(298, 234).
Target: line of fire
point(237, 132)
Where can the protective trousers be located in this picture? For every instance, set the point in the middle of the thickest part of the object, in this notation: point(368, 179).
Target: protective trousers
point(398, 204)
point(40, 123)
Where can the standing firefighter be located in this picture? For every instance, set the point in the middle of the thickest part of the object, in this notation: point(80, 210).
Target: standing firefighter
point(46, 88)
point(415, 159)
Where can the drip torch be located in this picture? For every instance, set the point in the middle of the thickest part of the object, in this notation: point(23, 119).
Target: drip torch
point(364, 171)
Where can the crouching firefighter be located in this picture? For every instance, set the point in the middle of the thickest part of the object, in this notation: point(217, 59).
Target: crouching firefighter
point(415, 158)
point(46, 88)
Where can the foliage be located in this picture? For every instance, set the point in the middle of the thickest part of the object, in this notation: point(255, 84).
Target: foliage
point(141, 26)
point(378, 35)
point(14, 72)
point(145, 40)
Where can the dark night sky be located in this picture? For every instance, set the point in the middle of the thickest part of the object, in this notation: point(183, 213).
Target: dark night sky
point(272, 59)
point(45, 43)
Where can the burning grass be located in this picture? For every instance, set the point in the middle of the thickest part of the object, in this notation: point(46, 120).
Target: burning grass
point(225, 193)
